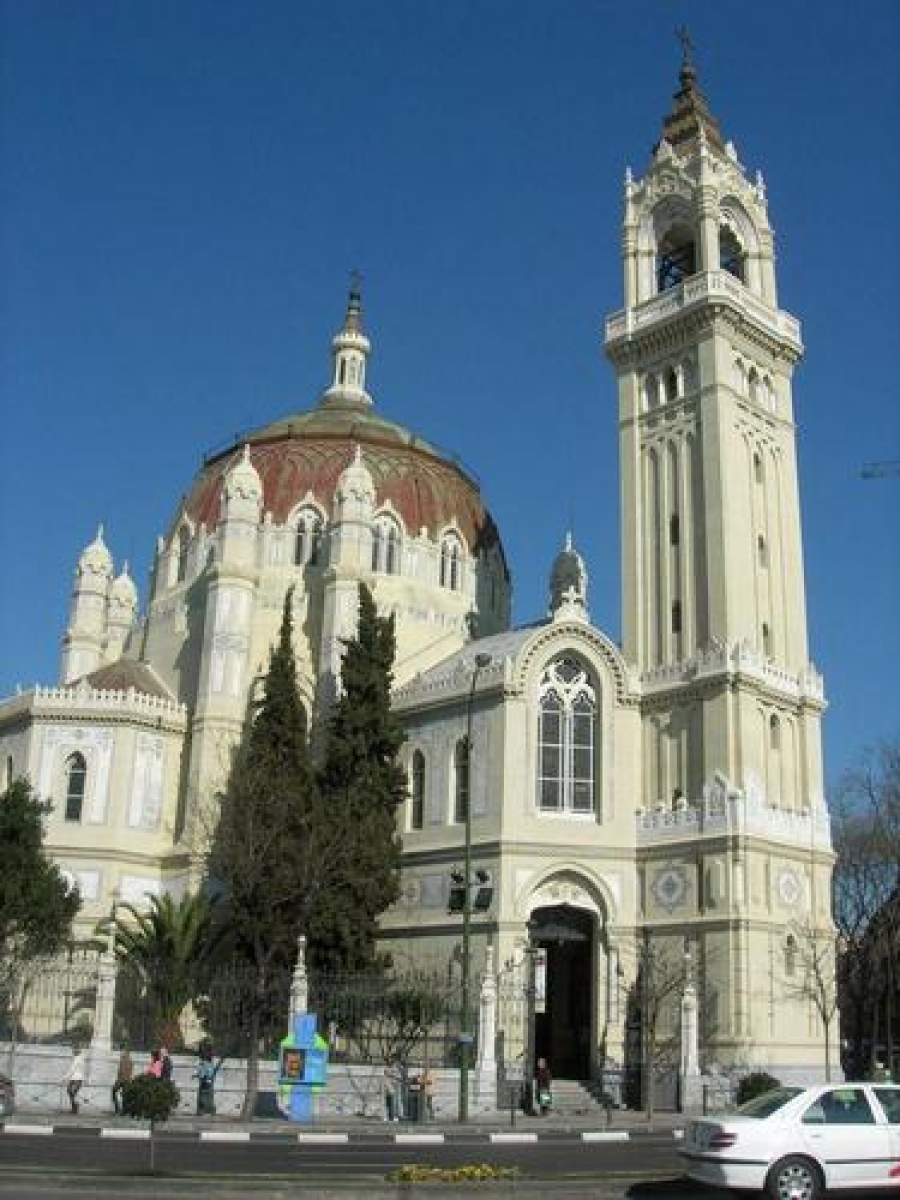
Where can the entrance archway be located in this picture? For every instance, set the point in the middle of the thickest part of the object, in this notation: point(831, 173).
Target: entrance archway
point(562, 1032)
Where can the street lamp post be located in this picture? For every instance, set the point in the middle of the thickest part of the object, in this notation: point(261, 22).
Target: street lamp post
point(465, 1036)
point(531, 951)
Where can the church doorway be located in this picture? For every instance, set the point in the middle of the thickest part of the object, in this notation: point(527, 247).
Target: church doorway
point(562, 1031)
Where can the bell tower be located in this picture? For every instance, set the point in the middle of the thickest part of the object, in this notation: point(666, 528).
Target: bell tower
point(713, 598)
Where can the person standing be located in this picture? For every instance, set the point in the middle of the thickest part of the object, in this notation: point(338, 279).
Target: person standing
point(427, 1082)
point(206, 1081)
point(74, 1078)
point(124, 1075)
point(156, 1067)
point(166, 1059)
point(544, 1081)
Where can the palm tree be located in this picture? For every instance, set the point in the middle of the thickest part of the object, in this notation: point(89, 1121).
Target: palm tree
point(164, 945)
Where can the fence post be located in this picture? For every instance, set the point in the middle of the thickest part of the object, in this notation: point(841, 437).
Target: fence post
point(299, 1001)
point(486, 1066)
point(107, 971)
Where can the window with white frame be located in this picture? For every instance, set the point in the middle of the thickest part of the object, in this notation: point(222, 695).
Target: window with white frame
point(417, 815)
point(451, 563)
point(76, 777)
point(567, 720)
point(460, 781)
point(307, 538)
point(385, 546)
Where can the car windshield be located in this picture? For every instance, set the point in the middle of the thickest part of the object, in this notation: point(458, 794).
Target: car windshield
point(765, 1105)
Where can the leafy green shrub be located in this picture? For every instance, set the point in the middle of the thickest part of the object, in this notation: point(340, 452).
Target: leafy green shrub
point(755, 1084)
point(149, 1099)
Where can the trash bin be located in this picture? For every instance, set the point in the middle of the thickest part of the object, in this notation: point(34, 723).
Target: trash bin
point(414, 1104)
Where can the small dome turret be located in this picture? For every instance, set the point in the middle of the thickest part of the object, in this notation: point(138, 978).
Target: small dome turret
point(95, 558)
point(123, 592)
point(350, 349)
point(568, 584)
point(242, 482)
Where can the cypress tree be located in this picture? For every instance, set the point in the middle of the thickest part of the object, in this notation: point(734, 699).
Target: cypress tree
point(271, 855)
point(362, 787)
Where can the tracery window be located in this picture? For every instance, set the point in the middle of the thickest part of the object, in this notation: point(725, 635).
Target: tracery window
point(386, 546)
point(567, 720)
point(308, 538)
point(76, 777)
point(417, 816)
point(451, 564)
point(731, 254)
point(461, 781)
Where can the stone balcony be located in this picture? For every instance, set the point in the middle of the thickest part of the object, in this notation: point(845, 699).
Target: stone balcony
point(697, 290)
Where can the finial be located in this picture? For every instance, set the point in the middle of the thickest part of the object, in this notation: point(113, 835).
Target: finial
point(245, 457)
point(687, 48)
point(99, 537)
point(354, 302)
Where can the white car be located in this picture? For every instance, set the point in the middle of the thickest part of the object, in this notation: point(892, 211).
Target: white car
point(794, 1143)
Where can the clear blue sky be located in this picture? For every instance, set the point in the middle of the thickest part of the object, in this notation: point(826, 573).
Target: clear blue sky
point(188, 183)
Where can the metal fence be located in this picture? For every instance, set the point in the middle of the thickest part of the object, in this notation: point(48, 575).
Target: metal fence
point(412, 1018)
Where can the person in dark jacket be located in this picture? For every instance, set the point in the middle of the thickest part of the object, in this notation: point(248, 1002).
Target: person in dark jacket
point(544, 1081)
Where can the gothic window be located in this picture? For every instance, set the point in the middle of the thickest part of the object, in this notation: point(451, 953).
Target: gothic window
point(460, 781)
point(567, 721)
point(757, 468)
point(676, 258)
point(307, 538)
point(774, 733)
point(451, 564)
point(754, 385)
point(762, 551)
point(76, 777)
point(766, 640)
point(386, 546)
point(676, 616)
point(731, 254)
point(183, 544)
point(674, 529)
point(417, 816)
point(671, 381)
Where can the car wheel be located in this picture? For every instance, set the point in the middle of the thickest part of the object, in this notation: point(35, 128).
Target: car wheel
point(794, 1178)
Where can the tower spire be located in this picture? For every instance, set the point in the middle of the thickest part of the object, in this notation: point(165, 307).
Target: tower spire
point(690, 116)
point(350, 350)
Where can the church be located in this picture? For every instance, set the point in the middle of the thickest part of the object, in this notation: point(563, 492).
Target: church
point(651, 800)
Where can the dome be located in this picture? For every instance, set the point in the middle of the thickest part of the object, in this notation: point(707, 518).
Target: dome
point(306, 454)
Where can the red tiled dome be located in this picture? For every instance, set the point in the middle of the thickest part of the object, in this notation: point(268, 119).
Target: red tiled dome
point(306, 453)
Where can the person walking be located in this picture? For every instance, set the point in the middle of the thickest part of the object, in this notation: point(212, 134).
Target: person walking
point(124, 1075)
point(427, 1082)
point(544, 1081)
point(156, 1067)
point(391, 1088)
point(74, 1078)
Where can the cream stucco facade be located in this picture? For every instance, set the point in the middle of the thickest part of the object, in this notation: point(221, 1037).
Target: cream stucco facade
point(634, 802)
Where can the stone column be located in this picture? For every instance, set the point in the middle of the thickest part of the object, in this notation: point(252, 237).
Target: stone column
point(689, 1067)
point(107, 971)
point(299, 984)
point(486, 1066)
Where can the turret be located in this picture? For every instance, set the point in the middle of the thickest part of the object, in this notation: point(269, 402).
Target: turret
point(122, 611)
point(242, 497)
point(354, 506)
point(350, 351)
point(568, 585)
point(85, 637)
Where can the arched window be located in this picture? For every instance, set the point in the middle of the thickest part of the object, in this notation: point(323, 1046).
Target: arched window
point(567, 720)
point(766, 639)
point(774, 732)
point(417, 816)
point(451, 564)
point(754, 385)
point(460, 781)
point(671, 381)
point(386, 546)
point(676, 258)
point(76, 777)
point(184, 539)
point(790, 955)
point(731, 254)
point(757, 468)
point(762, 551)
point(308, 538)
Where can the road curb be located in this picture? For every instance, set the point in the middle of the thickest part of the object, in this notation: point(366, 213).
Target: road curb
point(324, 1138)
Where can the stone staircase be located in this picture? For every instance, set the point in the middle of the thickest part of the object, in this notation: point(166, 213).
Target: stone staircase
point(578, 1098)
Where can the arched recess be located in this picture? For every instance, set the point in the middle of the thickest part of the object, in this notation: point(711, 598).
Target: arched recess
point(569, 913)
point(738, 236)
